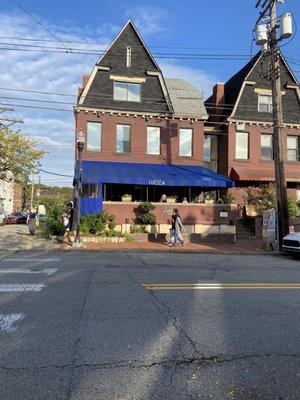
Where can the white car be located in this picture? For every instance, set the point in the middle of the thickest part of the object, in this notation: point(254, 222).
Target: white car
point(291, 244)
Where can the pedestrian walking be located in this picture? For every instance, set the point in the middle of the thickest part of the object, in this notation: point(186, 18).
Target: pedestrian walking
point(177, 229)
point(32, 221)
point(66, 223)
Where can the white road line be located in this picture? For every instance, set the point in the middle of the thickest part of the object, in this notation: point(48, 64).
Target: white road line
point(21, 287)
point(7, 320)
point(17, 259)
point(47, 271)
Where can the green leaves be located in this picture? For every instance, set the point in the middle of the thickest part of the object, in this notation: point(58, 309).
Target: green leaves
point(18, 154)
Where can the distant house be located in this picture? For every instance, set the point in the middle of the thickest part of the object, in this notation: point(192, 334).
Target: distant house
point(241, 116)
point(144, 133)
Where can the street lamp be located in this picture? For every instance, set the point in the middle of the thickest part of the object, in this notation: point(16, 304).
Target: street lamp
point(80, 139)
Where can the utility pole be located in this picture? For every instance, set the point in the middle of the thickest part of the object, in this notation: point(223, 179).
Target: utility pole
point(32, 192)
point(279, 146)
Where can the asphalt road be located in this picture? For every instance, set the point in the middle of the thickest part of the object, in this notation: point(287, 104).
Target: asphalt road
point(80, 326)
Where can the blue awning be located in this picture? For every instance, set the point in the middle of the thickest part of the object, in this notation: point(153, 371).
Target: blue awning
point(97, 172)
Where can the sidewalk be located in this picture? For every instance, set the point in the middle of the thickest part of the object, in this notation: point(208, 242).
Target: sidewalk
point(243, 247)
point(16, 237)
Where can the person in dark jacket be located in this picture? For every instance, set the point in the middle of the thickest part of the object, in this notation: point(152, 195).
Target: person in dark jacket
point(177, 228)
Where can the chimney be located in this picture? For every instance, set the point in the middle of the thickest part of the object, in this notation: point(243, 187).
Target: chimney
point(85, 79)
point(218, 100)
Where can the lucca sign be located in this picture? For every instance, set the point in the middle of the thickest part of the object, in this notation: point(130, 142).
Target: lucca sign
point(157, 182)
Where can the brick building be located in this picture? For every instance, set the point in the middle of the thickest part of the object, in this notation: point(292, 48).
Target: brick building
point(133, 117)
point(241, 110)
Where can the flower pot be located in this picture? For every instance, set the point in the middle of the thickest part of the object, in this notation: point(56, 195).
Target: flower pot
point(171, 200)
point(127, 199)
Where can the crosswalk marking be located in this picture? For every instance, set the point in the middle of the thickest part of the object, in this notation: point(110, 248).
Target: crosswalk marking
point(24, 259)
point(219, 286)
point(47, 271)
point(21, 287)
point(7, 321)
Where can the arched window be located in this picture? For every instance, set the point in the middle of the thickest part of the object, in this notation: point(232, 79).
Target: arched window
point(128, 56)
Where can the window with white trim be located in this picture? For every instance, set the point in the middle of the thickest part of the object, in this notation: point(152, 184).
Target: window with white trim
point(265, 103)
point(185, 142)
point(123, 139)
point(293, 148)
point(153, 140)
point(242, 145)
point(266, 147)
point(94, 133)
point(126, 91)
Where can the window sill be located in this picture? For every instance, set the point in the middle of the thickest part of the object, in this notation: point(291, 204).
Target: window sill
point(242, 159)
point(123, 154)
point(188, 157)
point(293, 162)
point(266, 161)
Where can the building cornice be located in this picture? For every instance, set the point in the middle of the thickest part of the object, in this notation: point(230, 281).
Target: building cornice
point(262, 123)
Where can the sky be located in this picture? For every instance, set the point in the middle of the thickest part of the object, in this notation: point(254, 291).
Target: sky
point(169, 28)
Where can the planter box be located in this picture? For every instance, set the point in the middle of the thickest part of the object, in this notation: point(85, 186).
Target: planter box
point(170, 200)
point(126, 199)
point(140, 237)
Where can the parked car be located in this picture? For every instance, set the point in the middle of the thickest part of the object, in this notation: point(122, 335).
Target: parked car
point(19, 217)
point(291, 244)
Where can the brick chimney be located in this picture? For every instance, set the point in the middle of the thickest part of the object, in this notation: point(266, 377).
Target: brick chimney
point(218, 99)
point(85, 79)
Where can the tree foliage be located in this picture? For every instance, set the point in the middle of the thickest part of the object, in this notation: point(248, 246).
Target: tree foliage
point(18, 154)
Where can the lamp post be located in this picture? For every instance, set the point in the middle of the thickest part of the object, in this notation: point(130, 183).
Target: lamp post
point(80, 139)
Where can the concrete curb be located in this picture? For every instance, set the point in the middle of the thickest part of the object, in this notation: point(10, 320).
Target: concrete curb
point(167, 251)
point(8, 253)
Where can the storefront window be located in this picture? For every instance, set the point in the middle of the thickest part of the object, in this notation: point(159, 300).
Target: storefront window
point(185, 142)
point(153, 140)
point(90, 190)
point(94, 130)
point(123, 139)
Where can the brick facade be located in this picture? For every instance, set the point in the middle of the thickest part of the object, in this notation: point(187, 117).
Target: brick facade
point(169, 129)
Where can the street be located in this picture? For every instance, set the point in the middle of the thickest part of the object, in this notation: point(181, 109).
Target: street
point(92, 325)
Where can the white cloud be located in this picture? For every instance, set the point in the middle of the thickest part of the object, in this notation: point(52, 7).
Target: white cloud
point(148, 19)
point(62, 73)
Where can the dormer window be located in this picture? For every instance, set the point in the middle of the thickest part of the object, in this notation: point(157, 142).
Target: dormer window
point(128, 56)
point(265, 103)
point(126, 91)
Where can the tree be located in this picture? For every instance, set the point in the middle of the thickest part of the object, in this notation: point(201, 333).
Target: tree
point(18, 155)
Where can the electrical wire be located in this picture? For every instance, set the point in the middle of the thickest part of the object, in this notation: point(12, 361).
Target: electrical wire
point(39, 23)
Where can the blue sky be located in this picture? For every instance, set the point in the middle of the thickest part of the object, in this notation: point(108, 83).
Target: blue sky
point(215, 27)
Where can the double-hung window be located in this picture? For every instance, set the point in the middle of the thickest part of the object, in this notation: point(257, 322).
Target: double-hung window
point(185, 142)
point(153, 140)
point(265, 103)
point(126, 91)
point(123, 139)
point(242, 145)
point(94, 132)
point(266, 147)
point(293, 148)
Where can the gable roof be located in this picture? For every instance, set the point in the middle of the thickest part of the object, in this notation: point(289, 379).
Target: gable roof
point(127, 26)
point(186, 99)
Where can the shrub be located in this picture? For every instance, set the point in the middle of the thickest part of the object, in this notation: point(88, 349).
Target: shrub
point(54, 226)
point(93, 224)
point(229, 199)
point(292, 207)
point(138, 229)
point(143, 214)
point(111, 221)
point(128, 239)
point(111, 233)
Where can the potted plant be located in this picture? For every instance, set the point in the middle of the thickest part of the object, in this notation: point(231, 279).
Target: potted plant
point(127, 198)
point(171, 199)
point(208, 199)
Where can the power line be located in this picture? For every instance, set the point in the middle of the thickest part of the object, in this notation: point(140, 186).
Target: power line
point(39, 23)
